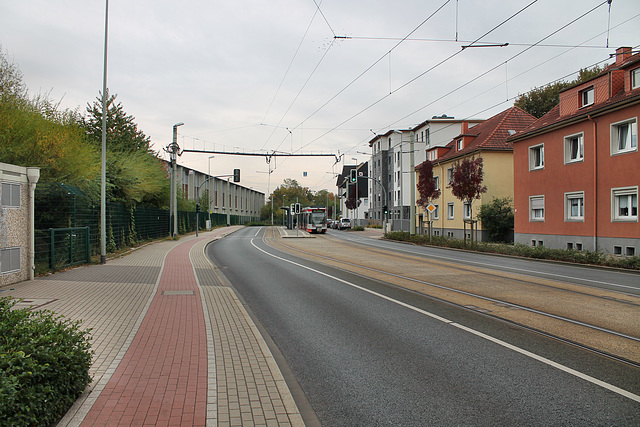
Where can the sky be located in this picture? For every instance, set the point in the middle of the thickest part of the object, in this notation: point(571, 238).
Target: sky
point(304, 76)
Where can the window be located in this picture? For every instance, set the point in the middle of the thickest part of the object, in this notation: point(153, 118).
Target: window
point(436, 212)
point(630, 251)
point(466, 210)
point(624, 136)
point(635, 78)
point(536, 208)
point(569, 246)
point(578, 246)
point(536, 157)
point(617, 250)
point(573, 148)
point(436, 182)
point(574, 206)
point(450, 175)
point(10, 195)
point(586, 97)
point(433, 155)
point(9, 260)
point(459, 145)
point(625, 204)
point(450, 210)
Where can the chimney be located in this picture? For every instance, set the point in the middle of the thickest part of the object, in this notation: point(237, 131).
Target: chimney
point(622, 54)
point(465, 127)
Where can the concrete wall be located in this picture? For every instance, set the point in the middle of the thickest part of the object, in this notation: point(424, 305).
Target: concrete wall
point(15, 219)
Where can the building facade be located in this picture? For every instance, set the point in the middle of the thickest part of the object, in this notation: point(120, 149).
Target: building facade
point(488, 140)
point(225, 196)
point(346, 189)
point(17, 187)
point(391, 165)
point(577, 169)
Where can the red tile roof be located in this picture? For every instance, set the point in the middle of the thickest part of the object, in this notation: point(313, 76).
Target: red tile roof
point(491, 134)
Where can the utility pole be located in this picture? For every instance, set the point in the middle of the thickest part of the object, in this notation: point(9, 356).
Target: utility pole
point(412, 175)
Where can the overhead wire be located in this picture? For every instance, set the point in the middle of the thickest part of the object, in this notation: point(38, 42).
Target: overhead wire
point(420, 75)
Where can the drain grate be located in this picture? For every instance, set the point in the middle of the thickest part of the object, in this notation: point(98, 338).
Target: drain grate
point(177, 293)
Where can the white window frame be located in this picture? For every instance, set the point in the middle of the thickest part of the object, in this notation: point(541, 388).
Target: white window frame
point(450, 175)
point(459, 145)
point(451, 210)
point(11, 195)
point(587, 96)
point(533, 158)
point(570, 198)
point(536, 205)
point(629, 194)
point(635, 78)
point(568, 145)
point(466, 210)
point(632, 139)
point(10, 260)
point(436, 212)
point(436, 182)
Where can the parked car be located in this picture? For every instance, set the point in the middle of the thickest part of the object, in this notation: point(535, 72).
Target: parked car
point(344, 223)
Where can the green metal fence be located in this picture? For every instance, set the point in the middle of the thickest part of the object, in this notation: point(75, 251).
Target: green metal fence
point(71, 214)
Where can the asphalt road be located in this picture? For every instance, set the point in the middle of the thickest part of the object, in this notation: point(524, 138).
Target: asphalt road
point(368, 354)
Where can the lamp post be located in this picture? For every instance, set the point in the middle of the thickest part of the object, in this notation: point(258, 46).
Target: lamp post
point(103, 167)
point(209, 185)
point(174, 194)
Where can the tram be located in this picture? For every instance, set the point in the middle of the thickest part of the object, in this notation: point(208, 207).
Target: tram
point(313, 219)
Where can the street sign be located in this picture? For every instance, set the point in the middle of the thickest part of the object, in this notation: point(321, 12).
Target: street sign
point(431, 207)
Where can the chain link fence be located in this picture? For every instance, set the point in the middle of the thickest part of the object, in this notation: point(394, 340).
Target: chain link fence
point(67, 224)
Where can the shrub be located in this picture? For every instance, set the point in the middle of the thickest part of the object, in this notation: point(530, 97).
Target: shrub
point(44, 365)
point(538, 252)
point(357, 228)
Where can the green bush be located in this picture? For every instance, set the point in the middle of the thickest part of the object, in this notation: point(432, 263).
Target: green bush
point(356, 228)
point(44, 365)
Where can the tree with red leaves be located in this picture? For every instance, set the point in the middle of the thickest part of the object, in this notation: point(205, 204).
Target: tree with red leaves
point(426, 184)
point(466, 184)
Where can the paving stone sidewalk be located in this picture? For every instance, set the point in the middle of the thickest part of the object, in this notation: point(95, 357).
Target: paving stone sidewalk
point(173, 344)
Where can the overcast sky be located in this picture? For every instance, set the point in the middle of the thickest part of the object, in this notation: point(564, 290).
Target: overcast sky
point(259, 76)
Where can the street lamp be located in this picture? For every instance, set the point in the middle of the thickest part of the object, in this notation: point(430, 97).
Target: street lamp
point(174, 148)
point(209, 184)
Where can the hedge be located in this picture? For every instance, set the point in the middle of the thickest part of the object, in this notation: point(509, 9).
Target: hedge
point(44, 365)
point(538, 252)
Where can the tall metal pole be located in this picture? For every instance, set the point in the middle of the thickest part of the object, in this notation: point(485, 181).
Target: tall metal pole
point(103, 183)
point(412, 190)
point(174, 154)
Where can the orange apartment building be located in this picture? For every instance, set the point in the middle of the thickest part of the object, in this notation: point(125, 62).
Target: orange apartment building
point(488, 140)
point(577, 169)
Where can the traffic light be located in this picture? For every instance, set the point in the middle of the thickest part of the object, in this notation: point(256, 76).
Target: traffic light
point(236, 175)
point(385, 210)
point(297, 208)
point(197, 207)
point(352, 175)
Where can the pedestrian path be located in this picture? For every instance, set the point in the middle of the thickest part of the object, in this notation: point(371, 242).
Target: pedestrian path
point(173, 344)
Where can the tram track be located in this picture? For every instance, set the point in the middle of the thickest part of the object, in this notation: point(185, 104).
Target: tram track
point(599, 320)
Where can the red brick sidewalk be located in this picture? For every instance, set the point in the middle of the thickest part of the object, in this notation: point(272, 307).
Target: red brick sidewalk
point(162, 379)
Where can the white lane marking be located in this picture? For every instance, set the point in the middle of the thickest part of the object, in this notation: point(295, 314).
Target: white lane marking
point(497, 266)
point(522, 351)
point(259, 230)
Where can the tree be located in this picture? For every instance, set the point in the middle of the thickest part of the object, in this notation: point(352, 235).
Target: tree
point(135, 175)
point(123, 134)
point(539, 101)
point(426, 184)
point(497, 219)
point(11, 84)
point(467, 185)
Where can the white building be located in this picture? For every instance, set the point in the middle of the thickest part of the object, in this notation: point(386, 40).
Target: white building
point(390, 166)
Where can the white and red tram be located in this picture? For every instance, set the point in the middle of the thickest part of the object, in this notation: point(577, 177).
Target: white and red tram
point(313, 219)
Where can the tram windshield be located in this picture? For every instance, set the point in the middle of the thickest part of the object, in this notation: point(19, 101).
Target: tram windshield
point(317, 218)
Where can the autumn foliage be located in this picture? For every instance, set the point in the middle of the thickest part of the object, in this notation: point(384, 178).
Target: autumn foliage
point(426, 184)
